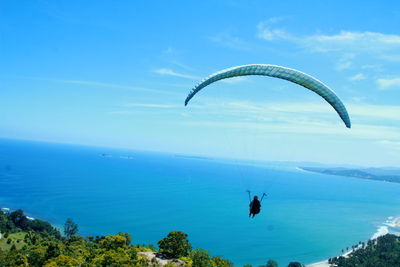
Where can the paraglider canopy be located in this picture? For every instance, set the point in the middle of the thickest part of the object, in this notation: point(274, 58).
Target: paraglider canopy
point(288, 74)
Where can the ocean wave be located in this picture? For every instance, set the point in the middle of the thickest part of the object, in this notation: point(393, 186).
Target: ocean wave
point(391, 225)
point(8, 210)
point(393, 222)
point(5, 209)
point(382, 230)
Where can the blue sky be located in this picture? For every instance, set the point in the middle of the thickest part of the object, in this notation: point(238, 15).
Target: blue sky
point(116, 73)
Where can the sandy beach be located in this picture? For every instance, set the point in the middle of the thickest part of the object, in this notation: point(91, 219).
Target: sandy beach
point(319, 264)
point(326, 264)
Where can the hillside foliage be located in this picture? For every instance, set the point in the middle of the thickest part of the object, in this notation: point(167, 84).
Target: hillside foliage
point(28, 242)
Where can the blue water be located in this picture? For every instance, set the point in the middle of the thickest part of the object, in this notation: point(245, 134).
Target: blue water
point(307, 217)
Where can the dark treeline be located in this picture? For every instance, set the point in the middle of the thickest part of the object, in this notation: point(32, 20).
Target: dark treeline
point(16, 221)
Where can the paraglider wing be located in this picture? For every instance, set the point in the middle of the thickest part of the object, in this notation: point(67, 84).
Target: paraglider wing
point(291, 75)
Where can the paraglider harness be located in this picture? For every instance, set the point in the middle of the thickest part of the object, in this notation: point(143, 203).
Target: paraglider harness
point(255, 209)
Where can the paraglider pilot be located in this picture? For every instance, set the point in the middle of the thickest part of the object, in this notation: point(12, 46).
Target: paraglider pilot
point(255, 207)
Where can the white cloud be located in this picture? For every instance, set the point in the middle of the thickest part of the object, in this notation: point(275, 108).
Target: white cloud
point(98, 84)
point(102, 84)
point(120, 112)
point(292, 110)
point(357, 77)
point(134, 108)
point(343, 65)
point(384, 46)
point(162, 106)
point(276, 19)
point(372, 122)
point(226, 39)
point(374, 67)
point(358, 98)
point(345, 62)
point(374, 112)
point(169, 50)
point(385, 84)
point(165, 71)
point(265, 32)
point(356, 42)
point(391, 144)
point(387, 142)
point(361, 110)
point(372, 132)
point(181, 65)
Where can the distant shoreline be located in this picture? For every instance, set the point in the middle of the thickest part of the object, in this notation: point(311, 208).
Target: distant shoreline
point(376, 174)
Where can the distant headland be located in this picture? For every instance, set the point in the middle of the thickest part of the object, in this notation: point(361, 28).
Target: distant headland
point(380, 174)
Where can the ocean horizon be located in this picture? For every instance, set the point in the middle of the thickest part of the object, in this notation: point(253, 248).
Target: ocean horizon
point(306, 217)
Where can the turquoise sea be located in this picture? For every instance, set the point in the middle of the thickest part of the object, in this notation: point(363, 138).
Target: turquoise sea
point(306, 217)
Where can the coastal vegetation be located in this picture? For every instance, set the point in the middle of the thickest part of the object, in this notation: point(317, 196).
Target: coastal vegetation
point(381, 252)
